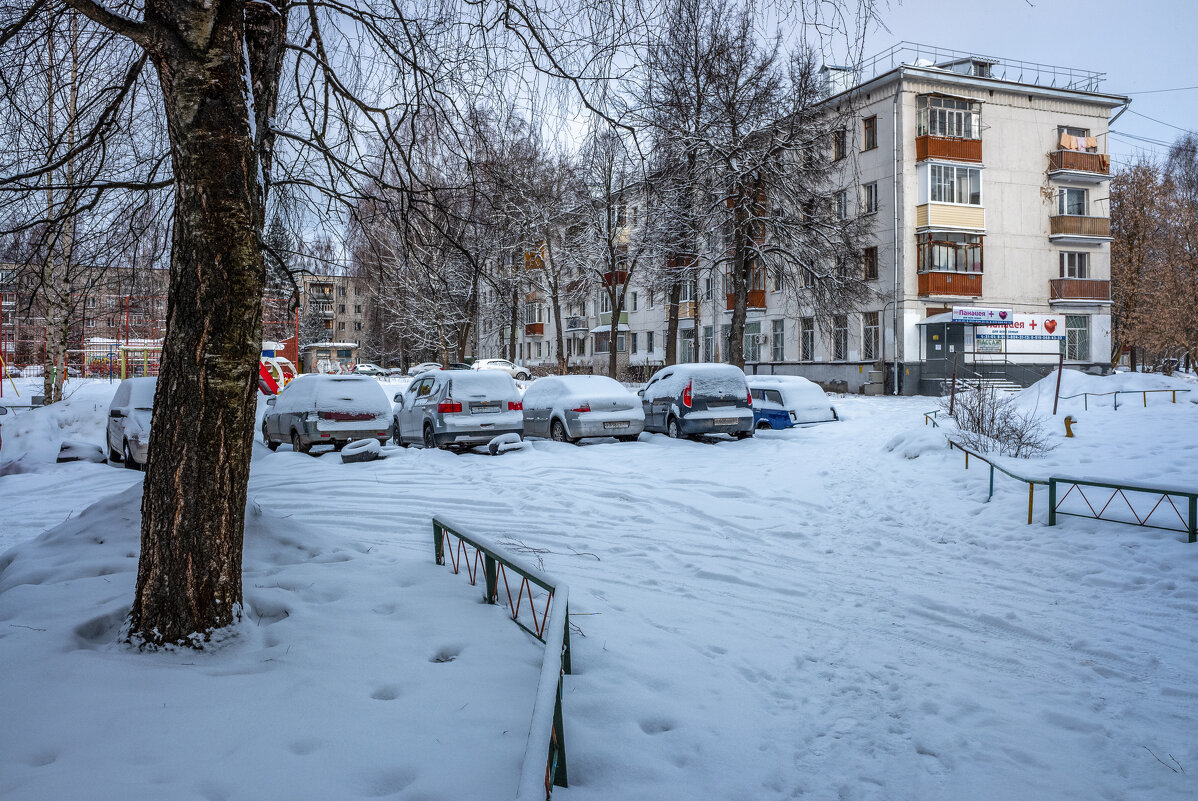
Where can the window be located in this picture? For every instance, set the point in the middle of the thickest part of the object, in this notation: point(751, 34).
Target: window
point(872, 336)
point(345, 353)
point(1077, 337)
point(753, 342)
point(869, 261)
point(951, 184)
point(341, 308)
point(949, 252)
point(650, 301)
point(707, 343)
point(1073, 202)
point(357, 326)
point(688, 347)
point(840, 337)
point(776, 283)
point(340, 326)
point(870, 133)
point(842, 205)
point(340, 291)
point(620, 217)
point(533, 313)
point(634, 309)
point(707, 288)
point(946, 116)
point(869, 198)
point(358, 308)
point(838, 145)
point(806, 339)
point(538, 348)
point(634, 348)
point(1075, 265)
point(778, 341)
point(649, 340)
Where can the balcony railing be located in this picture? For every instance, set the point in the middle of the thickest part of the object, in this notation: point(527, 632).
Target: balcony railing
point(755, 300)
point(950, 148)
point(1084, 289)
point(534, 329)
point(618, 277)
point(964, 285)
point(575, 323)
point(1077, 161)
point(1066, 225)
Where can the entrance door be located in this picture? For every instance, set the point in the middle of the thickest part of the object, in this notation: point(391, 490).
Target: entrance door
point(941, 344)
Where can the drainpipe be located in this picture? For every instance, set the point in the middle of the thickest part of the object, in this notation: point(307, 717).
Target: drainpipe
point(897, 253)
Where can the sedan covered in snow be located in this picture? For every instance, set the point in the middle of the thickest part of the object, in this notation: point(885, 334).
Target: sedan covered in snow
point(128, 439)
point(567, 408)
point(692, 399)
point(782, 401)
point(319, 409)
point(514, 370)
point(457, 409)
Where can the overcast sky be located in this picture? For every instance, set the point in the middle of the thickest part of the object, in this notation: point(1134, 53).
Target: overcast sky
point(1141, 45)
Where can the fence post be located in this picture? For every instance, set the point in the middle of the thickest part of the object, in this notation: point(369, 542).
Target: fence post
point(1145, 399)
point(991, 495)
point(559, 773)
point(438, 546)
point(1052, 501)
point(491, 574)
point(1057, 395)
point(566, 642)
point(1031, 497)
point(1193, 518)
point(1086, 401)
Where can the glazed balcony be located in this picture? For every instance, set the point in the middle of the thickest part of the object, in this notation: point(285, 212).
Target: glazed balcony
point(1079, 290)
point(1076, 165)
point(755, 300)
point(576, 324)
point(605, 318)
point(534, 329)
point(617, 277)
point(950, 284)
point(1076, 228)
point(949, 148)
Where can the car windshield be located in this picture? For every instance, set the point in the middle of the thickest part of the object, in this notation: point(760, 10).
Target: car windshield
point(141, 393)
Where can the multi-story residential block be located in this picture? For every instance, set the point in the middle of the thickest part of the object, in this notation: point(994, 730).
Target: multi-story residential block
point(332, 307)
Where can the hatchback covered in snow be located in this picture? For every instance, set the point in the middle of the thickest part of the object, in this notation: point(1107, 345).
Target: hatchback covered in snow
point(566, 408)
point(782, 401)
point(128, 438)
point(457, 408)
point(514, 370)
point(690, 399)
point(318, 409)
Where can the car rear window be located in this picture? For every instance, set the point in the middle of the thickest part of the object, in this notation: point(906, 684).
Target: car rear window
point(483, 384)
point(352, 395)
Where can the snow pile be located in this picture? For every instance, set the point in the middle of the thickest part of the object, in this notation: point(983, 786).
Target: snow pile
point(34, 436)
point(916, 442)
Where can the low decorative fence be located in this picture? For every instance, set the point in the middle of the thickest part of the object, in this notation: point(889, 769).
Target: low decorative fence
point(1085, 396)
point(544, 764)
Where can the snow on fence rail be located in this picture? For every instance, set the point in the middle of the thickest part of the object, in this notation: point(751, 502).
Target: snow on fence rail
point(1164, 495)
point(1085, 396)
point(545, 753)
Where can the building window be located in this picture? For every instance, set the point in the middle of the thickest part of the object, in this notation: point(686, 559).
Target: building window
point(688, 347)
point(340, 291)
point(870, 131)
point(842, 205)
point(1077, 337)
point(945, 116)
point(840, 337)
point(650, 303)
point(869, 198)
point(341, 308)
point(872, 336)
point(1077, 139)
point(961, 185)
point(806, 339)
point(634, 348)
point(707, 288)
point(357, 326)
point(707, 342)
point(778, 341)
point(538, 348)
point(358, 308)
point(838, 145)
point(1073, 202)
point(949, 252)
point(649, 340)
point(869, 262)
point(753, 342)
point(340, 326)
point(776, 283)
point(1075, 265)
point(634, 307)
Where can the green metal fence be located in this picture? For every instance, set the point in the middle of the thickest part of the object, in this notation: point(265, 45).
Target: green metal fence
point(544, 765)
point(1085, 396)
point(1166, 504)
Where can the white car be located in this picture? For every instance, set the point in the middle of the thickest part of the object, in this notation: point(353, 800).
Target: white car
point(128, 438)
point(366, 368)
point(514, 370)
point(424, 367)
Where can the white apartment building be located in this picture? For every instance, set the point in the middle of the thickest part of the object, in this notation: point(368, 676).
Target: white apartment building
point(986, 182)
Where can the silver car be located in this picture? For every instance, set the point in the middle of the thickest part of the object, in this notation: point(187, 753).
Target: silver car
point(566, 408)
point(514, 370)
point(457, 409)
point(128, 436)
point(319, 409)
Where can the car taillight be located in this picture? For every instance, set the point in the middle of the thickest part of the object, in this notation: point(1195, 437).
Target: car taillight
point(750, 395)
point(448, 406)
point(586, 407)
point(515, 406)
point(686, 395)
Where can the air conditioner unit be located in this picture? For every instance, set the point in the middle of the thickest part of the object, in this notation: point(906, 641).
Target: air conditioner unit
point(762, 339)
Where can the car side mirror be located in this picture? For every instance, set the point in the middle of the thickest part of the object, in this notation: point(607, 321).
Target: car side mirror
point(398, 397)
point(640, 393)
point(3, 410)
point(270, 401)
point(116, 413)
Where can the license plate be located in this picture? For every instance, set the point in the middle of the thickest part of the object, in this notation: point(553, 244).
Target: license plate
point(484, 409)
point(725, 421)
point(616, 425)
point(719, 404)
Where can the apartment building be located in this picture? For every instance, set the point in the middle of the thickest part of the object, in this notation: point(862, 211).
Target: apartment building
point(986, 186)
point(332, 307)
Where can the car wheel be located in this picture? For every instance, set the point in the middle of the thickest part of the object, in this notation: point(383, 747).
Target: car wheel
point(557, 432)
point(297, 444)
point(128, 458)
point(764, 425)
point(673, 430)
point(430, 441)
point(113, 455)
point(627, 437)
point(274, 446)
point(742, 434)
point(522, 376)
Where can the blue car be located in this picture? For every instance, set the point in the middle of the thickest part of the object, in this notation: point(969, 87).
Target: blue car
point(783, 401)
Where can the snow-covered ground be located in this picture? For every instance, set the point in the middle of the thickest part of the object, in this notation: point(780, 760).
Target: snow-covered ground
point(805, 614)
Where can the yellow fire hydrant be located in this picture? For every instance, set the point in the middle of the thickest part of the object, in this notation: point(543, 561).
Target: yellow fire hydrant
point(1069, 421)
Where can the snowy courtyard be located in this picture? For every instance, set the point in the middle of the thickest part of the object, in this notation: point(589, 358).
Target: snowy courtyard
point(832, 612)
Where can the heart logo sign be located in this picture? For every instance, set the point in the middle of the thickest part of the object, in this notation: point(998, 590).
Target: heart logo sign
point(1050, 325)
point(1002, 315)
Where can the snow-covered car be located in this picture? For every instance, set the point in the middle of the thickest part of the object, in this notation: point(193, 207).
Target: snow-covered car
point(424, 367)
point(566, 408)
point(366, 368)
point(514, 370)
point(782, 401)
point(690, 399)
point(319, 409)
point(395, 371)
point(457, 408)
point(128, 435)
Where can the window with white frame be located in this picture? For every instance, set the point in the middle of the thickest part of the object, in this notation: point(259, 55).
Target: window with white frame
point(1077, 337)
point(952, 184)
point(871, 336)
point(1075, 265)
point(707, 343)
point(948, 116)
point(604, 303)
point(842, 204)
point(869, 198)
point(753, 341)
point(778, 341)
point(840, 337)
point(806, 339)
point(649, 340)
point(633, 299)
point(533, 313)
point(1073, 202)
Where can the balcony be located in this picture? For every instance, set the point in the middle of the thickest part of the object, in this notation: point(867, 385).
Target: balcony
point(1075, 165)
point(618, 277)
point(948, 148)
point(605, 318)
point(576, 324)
point(755, 300)
point(946, 284)
point(534, 329)
point(686, 308)
point(950, 215)
point(1075, 228)
point(1079, 290)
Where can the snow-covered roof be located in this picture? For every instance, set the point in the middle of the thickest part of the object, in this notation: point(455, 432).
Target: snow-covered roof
point(330, 345)
point(604, 329)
